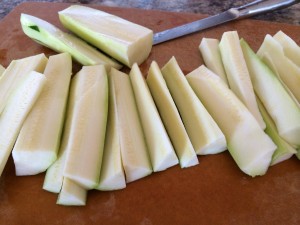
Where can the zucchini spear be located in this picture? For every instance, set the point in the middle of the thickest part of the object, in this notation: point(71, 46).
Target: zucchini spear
point(50, 36)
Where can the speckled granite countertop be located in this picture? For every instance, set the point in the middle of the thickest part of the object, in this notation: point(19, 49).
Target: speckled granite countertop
point(290, 15)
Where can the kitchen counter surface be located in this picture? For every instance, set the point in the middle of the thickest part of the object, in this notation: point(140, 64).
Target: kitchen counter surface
point(289, 15)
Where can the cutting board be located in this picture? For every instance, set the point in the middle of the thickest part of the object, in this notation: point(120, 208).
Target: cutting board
point(214, 192)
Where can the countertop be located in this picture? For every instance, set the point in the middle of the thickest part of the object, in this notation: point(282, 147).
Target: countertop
point(289, 15)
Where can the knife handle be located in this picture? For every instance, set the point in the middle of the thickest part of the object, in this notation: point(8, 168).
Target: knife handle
point(260, 6)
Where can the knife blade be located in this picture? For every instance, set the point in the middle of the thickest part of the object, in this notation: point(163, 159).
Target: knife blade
point(250, 9)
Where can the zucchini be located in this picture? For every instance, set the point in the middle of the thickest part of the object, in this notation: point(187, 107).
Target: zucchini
point(54, 175)
point(162, 154)
point(112, 175)
point(204, 133)
point(170, 117)
point(71, 194)
point(272, 54)
point(209, 48)
point(50, 36)
point(134, 152)
point(15, 72)
point(2, 69)
point(87, 134)
point(248, 144)
point(238, 74)
point(284, 111)
point(39, 139)
point(284, 150)
point(19, 104)
point(290, 47)
point(125, 41)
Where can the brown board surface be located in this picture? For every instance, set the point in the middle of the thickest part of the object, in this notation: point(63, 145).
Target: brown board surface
point(214, 192)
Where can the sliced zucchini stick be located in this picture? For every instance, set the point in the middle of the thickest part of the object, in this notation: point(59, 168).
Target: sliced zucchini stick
point(87, 135)
point(284, 150)
point(272, 54)
point(50, 36)
point(160, 148)
point(134, 152)
point(238, 74)
point(2, 69)
point(210, 51)
point(170, 117)
point(284, 111)
point(54, 176)
point(290, 47)
point(125, 41)
point(248, 144)
point(15, 72)
point(204, 133)
point(39, 139)
point(112, 175)
point(71, 194)
point(16, 110)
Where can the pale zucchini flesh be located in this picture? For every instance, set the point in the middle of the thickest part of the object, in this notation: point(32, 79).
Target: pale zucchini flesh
point(71, 194)
point(204, 133)
point(272, 54)
point(210, 52)
point(112, 175)
point(290, 47)
point(238, 74)
point(16, 110)
point(39, 139)
point(125, 41)
point(134, 152)
point(170, 117)
point(284, 111)
point(249, 146)
point(15, 72)
point(160, 148)
point(50, 36)
point(87, 136)
point(284, 150)
point(54, 175)
point(2, 69)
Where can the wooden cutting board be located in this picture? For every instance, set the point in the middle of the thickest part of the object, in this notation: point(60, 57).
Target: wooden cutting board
point(214, 192)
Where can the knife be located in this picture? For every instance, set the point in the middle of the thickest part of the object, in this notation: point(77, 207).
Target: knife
point(250, 9)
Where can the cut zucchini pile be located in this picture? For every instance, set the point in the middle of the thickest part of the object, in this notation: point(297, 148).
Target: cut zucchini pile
point(102, 128)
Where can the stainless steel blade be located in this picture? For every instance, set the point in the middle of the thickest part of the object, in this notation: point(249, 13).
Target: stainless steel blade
point(250, 9)
point(195, 26)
